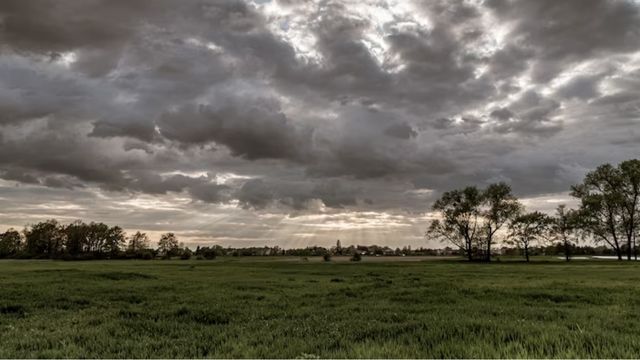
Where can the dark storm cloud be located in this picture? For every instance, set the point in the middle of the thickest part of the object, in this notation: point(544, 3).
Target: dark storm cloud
point(20, 175)
point(255, 193)
point(511, 60)
point(32, 90)
point(97, 30)
point(564, 32)
point(401, 131)
point(560, 30)
point(502, 114)
point(314, 104)
point(442, 123)
point(50, 151)
point(530, 115)
point(251, 128)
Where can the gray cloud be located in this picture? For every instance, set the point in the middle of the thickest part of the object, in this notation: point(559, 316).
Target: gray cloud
point(502, 114)
point(561, 33)
point(580, 87)
point(252, 128)
point(310, 107)
point(401, 131)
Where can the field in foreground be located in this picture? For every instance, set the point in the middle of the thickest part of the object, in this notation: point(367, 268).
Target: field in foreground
point(222, 308)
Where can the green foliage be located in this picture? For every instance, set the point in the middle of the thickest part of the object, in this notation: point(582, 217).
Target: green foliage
point(460, 224)
point(138, 243)
point(610, 205)
point(471, 217)
point(185, 254)
point(44, 239)
point(209, 253)
point(168, 245)
point(240, 308)
point(527, 229)
point(98, 240)
point(501, 206)
point(77, 234)
point(564, 227)
point(356, 257)
point(115, 241)
point(10, 243)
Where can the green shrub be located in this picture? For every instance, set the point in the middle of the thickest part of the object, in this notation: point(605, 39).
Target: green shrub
point(186, 255)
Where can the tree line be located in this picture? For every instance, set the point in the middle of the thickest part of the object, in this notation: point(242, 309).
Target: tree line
point(78, 240)
point(84, 241)
point(81, 241)
point(474, 220)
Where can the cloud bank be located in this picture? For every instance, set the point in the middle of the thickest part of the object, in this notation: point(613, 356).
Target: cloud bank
point(263, 110)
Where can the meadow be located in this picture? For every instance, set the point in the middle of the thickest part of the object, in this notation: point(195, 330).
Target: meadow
point(288, 308)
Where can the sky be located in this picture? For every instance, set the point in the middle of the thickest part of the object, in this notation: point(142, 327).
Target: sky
point(297, 123)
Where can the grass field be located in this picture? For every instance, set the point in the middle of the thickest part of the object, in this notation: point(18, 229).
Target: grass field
point(248, 308)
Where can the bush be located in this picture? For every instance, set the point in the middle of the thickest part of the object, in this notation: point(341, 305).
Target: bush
point(186, 255)
point(356, 257)
point(326, 257)
point(208, 253)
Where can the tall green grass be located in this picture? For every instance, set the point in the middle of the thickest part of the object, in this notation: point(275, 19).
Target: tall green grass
point(288, 309)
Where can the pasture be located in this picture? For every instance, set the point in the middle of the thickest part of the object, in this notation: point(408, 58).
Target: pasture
point(288, 308)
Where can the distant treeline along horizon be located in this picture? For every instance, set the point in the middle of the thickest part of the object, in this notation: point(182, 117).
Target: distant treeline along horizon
point(472, 221)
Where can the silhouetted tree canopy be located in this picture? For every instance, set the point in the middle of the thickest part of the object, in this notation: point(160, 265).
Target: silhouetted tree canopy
point(527, 229)
point(10, 243)
point(168, 245)
point(609, 205)
point(471, 217)
point(563, 229)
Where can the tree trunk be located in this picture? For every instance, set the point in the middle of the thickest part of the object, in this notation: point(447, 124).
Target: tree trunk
point(617, 247)
point(526, 252)
point(612, 231)
point(488, 258)
point(567, 250)
point(631, 228)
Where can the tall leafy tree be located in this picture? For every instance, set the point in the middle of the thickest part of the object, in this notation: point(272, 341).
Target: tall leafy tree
point(527, 229)
point(461, 221)
point(115, 240)
point(138, 242)
point(97, 238)
point(602, 206)
point(76, 235)
point(470, 218)
point(44, 239)
point(630, 189)
point(499, 207)
point(168, 245)
point(10, 243)
point(563, 229)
